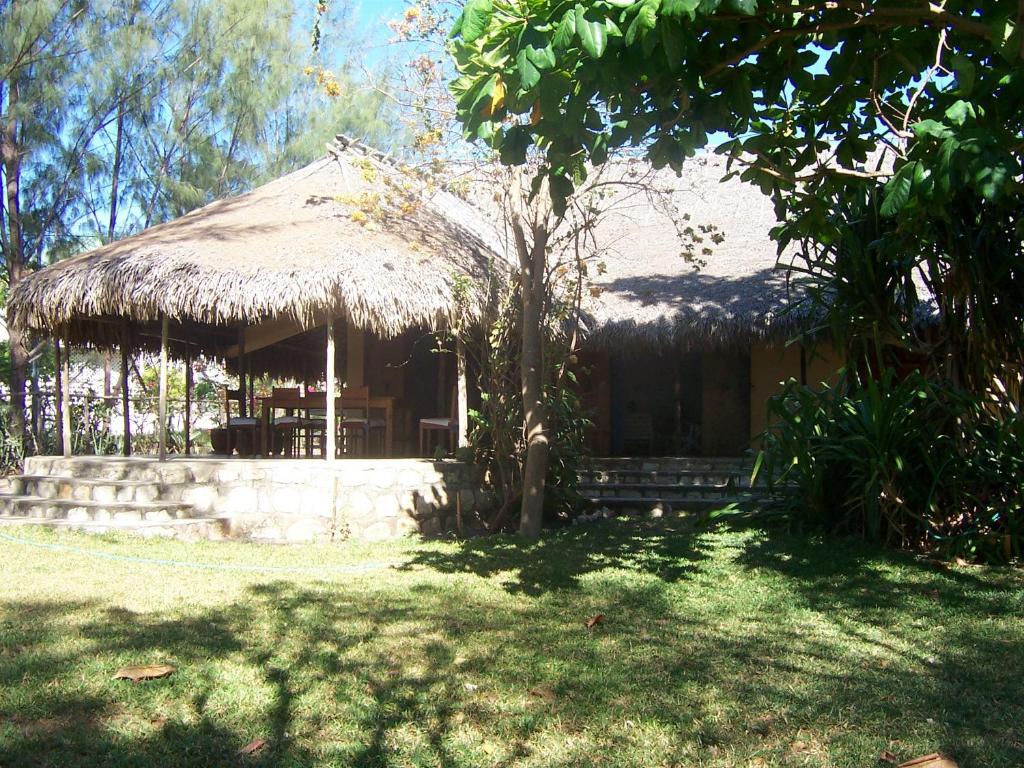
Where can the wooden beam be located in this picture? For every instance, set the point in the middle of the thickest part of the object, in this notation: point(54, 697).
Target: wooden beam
point(463, 409)
point(59, 394)
point(188, 401)
point(126, 448)
point(65, 397)
point(331, 427)
point(241, 372)
point(163, 388)
point(265, 334)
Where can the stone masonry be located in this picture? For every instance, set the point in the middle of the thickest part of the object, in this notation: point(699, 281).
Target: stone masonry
point(286, 500)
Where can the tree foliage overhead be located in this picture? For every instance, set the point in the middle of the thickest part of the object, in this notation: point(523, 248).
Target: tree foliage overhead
point(796, 81)
point(908, 111)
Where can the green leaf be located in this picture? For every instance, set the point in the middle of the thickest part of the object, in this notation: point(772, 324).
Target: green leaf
point(542, 58)
point(960, 111)
point(515, 144)
point(561, 189)
point(747, 7)
point(672, 42)
point(897, 191)
point(529, 75)
point(474, 99)
point(566, 30)
point(965, 72)
point(679, 8)
point(645, 19)
point(599, 150)
point(932, 128)
point(593, 35)
point(475, 18)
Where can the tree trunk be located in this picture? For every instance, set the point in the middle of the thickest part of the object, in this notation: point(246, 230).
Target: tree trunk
point(532, 260)
point(15, 257)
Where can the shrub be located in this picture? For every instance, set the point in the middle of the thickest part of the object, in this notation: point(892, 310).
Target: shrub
point(904, 461)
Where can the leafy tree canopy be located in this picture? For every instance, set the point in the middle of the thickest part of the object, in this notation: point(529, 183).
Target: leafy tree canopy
point(807, 89)
point(890, 135)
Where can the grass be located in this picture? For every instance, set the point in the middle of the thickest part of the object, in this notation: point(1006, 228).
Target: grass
point(719, 648)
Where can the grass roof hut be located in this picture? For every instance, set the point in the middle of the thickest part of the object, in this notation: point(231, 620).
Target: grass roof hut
point(352, 237)
point(650, 295)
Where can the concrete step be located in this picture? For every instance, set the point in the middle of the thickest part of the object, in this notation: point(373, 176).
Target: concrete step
point(187, 529)
point(77, 510)
point(85, 488)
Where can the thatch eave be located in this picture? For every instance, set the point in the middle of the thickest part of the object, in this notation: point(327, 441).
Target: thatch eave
point(348, 236)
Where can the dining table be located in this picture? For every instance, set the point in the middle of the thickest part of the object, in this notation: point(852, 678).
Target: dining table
point(318, 401)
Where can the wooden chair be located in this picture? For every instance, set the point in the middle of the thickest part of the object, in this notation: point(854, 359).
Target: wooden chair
point(243, 428)
point(357, 424)
point(449, 425)
point(313, 425)
point(286, 428)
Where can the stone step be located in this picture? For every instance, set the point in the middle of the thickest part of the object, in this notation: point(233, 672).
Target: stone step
point(143, 469)
point(643, 505)
point(663, 491)
point(683, 478)
point(672, 463)
point(187, 529)
point(85, 488)
point(98, 511)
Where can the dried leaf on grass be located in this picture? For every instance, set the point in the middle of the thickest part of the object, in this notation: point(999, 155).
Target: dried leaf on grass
point(888, 757)
point(543, 692)
point(934, 760)
point(253, 746)
point(594, 620)
point(144, 672)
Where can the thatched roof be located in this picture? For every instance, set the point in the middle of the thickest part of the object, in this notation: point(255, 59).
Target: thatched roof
point(351, 234)
point(651, 294)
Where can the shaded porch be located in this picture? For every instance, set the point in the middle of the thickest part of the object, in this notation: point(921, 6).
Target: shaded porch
point(382, 389)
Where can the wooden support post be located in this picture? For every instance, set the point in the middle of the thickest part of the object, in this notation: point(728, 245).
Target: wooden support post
point(252, 388)
point(87, 430)
point(126, 448)
point(58, 422)
point(355, 355)
point(188, 401)
point(463, 409)
point(331, 427)
point(65, 398)
point(163, 388)
point(442, 383)
point(241, 373)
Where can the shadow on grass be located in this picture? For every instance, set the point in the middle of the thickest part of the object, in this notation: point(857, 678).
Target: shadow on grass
point(718, 647)
point(669, 550)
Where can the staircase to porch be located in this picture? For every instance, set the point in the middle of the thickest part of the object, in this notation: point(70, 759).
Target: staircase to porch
point(663, 484)
point(101, 497)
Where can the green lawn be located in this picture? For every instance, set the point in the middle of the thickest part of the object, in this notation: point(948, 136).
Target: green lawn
point(721, 648)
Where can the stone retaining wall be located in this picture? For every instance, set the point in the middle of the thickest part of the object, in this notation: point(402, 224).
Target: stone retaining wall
point(296, 500)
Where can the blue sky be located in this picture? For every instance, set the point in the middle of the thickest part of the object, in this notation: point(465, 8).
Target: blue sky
point(372, 11)
point(372, 17)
